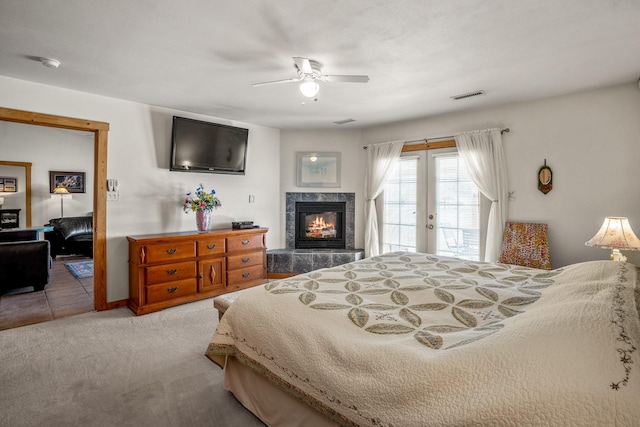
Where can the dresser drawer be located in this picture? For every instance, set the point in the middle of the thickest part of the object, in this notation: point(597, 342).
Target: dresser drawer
point(246, 242)
point(170, 272)
point(169, 252)
point(245, 260)
point(171, 290)
point(210, 246)
point(244, 275)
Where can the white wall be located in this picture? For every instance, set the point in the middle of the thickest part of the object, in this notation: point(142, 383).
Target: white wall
point(138, 156)
point(591, 141)
point(48, 149)
point(347, 142)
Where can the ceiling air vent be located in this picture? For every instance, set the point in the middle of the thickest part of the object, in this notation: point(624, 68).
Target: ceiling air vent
point(345, 121)
point(468, 95)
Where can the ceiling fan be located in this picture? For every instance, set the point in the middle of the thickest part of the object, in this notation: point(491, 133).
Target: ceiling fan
point(309, 73)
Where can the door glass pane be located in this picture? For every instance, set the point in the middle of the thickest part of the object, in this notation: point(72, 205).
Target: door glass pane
point(399, 221)
point(457, 210)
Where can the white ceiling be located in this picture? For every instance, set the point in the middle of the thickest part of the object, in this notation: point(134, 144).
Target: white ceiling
point(203, 55)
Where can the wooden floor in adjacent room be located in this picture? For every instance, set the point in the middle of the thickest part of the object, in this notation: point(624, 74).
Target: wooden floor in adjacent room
point(63, 296)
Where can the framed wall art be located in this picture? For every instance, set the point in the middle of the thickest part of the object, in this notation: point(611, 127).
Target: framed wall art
point(8, 185)
point(319, 169)
point(74, 182)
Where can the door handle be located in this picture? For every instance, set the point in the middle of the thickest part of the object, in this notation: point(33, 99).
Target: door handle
point(430, 226)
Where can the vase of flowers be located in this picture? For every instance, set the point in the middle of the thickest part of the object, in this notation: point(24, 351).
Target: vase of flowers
point(202, 203)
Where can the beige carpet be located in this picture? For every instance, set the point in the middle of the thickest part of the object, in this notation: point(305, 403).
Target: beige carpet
point(113, 368)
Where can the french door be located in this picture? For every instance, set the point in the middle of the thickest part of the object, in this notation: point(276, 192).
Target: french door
point(431, 205)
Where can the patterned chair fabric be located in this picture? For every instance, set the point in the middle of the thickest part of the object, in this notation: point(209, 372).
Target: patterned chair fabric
point(525, 244)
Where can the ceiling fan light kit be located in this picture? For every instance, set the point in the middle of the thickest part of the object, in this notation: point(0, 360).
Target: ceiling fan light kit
point(309, 73)
point(309, 88)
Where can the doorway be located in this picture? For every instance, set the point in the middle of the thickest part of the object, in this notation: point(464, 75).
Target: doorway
point(430, 205)
point(100, 131)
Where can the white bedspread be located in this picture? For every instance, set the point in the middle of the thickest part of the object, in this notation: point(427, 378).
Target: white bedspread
point(417, 340)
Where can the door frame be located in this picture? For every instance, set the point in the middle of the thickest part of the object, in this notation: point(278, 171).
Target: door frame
point(100, 131)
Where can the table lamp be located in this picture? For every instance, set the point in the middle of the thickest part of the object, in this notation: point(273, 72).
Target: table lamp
point(61, 191)
point(615, 234)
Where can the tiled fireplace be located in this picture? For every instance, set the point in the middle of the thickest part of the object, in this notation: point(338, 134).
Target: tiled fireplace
point(319, 233)
point(347, 199)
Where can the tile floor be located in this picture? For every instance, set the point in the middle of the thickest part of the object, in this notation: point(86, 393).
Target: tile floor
point(63, 296)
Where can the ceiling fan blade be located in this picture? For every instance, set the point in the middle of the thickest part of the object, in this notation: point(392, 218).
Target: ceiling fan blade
point(303, 64)
point(276, 82)
point(346, 79)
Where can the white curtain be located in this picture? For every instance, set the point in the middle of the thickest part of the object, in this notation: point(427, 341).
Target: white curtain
point(380, 161)
point(483, 155)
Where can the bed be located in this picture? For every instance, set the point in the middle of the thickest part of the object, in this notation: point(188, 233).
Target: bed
point(410, 339)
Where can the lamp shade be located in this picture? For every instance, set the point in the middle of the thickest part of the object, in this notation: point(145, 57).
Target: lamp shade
point(615, 233)
point(61, 190)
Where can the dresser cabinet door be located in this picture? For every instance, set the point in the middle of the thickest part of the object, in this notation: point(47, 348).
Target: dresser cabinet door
point(212, 275)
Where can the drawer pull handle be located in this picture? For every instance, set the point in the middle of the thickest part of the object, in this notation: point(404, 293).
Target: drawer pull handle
point(172, 271)
point(245, 275)
point(245, 259)
point(172, 251)
point(172, 290)
point(245, 242)
point(211, 246)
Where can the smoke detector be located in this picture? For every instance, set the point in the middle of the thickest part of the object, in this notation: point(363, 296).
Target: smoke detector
point(50, 62)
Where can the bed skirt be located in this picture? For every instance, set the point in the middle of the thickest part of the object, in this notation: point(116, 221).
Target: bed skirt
point(266, 401)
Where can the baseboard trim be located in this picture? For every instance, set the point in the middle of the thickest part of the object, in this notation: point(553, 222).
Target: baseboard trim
point(277, 276)
point(116, 304)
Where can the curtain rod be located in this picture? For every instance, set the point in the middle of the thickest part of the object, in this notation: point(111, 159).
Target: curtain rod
point(447, 137)
point(441, 137)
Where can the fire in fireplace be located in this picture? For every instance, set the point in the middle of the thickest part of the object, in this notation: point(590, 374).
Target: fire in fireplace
point(320, 225)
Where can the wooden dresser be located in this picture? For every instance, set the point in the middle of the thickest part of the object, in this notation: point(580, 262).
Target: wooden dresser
point(175, 268)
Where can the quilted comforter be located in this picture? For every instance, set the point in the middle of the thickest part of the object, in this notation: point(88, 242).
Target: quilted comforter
point(408, 339)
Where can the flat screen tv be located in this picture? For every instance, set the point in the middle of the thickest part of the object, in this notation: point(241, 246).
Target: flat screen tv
point(198, 146)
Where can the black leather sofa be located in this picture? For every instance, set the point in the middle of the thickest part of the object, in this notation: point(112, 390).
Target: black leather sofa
point(71, 236)
point(24, 264)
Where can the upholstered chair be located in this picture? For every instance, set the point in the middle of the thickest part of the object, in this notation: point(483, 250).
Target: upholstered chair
point(525, 244)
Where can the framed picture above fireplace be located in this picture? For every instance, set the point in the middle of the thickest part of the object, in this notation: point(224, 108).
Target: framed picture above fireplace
point(319, 169)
